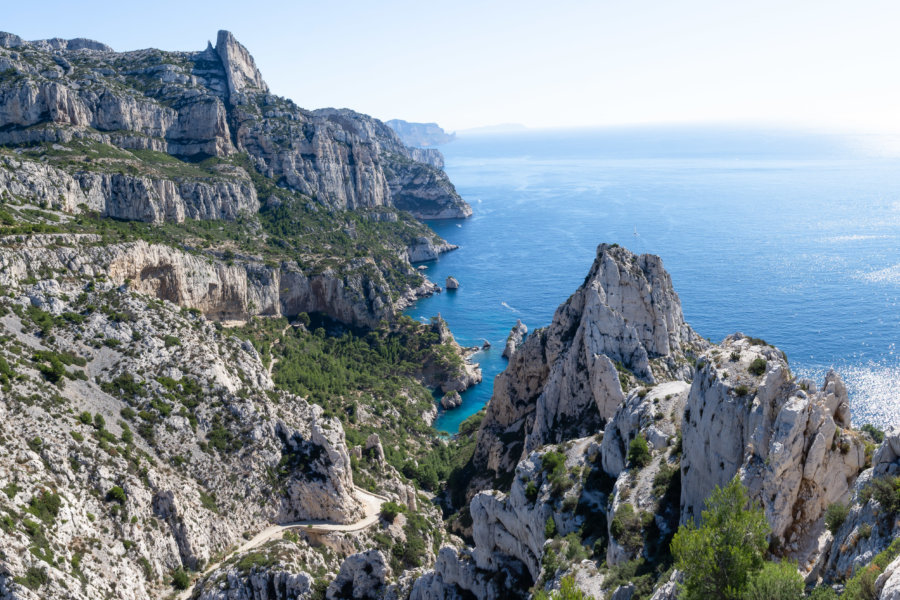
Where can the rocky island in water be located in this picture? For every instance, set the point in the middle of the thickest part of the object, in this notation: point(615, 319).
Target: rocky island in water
point(208, 389)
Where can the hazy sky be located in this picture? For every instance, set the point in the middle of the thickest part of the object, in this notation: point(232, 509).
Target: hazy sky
point(826, 64)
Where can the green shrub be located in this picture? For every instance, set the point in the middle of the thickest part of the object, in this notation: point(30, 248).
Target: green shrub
point(639, 452)
point(45, 506)
point(116, 494)
point(34, 578)
point(885, 491)
point(99, 422)
point(531, 491)
point(85, 418)
point(861, 585)
point(742, 390)
point(6, 372)
point(876, 434)
point(549, 528)
point(567, 591)
point(180, 579)
point(719, 555)
point(171, 340)
point(758, 366)
point(824, 592)
point(775, 581)
point(390, 510)
point(835, 515)
point(626, 528)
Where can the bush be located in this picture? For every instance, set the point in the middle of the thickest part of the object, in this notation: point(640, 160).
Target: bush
point(390, 510)
point(835, 515)
point(531, 491)
point(567, 591)
point(626, 528)
point(861, 585)
point(45, 506)
point(171, 340)
point(34, 578)
point(775, 581)
point(758, 366)
point(180, 579)
point(639, 452)
point(876, 434)
point(85, 418)
point(549, 528)
point(719, 556)
point(116, 494)
point(885, 491)
point(823, 593)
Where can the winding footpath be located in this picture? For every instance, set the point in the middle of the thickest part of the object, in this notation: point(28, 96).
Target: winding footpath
point(372, 509)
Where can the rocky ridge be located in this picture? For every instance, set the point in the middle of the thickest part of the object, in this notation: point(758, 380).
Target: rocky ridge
point(564, 382)
point(212, 103)
point(737, 412)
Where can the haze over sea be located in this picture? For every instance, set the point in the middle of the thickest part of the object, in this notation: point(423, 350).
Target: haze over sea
point(791, 237)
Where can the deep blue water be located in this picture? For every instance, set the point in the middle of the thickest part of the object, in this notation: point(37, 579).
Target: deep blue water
point(794, 238)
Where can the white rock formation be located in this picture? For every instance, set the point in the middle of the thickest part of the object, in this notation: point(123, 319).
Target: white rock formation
point(451, 283)
point(451, 400)
point(867, 530)
point(362, 576)
point(563, 382)
point(219, 290)
point(790, 444)
point(516, 337)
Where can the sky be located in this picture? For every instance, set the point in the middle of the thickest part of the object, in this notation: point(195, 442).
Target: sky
point(822, 65)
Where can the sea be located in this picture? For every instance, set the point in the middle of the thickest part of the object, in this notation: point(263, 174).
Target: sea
point(789, 236)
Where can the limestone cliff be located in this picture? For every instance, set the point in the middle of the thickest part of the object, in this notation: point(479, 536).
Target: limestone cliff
point(153, 444)
point(564, 381)
point(790, 443)
point(221, 291)
point(212, 103)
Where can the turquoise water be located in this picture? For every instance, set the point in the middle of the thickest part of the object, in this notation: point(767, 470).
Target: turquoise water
point(788, 237)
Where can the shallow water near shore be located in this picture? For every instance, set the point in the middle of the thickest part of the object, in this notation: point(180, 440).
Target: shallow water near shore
point(789, 237)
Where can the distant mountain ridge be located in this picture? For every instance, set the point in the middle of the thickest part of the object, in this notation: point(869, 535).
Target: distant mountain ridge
point(421, 135)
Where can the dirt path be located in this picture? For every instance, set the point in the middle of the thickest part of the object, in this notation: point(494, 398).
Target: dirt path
point(275, 360)
point(371, 505)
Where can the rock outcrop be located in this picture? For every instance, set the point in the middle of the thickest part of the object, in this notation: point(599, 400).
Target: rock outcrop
point(516, 337)
point(451, 283)
point(221, 291)
point(789, 443)
point(148, 198)
point(362, 576)
point(456, 376)
point(868, 529)
point(425, 249)
point(564, 381)
point(451, 400)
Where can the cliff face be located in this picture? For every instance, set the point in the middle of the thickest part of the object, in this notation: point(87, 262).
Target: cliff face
point(789, 442)
point(179, 417)
point(221, 291)
point(212, 103)
point(564, 381)
point(147, 198)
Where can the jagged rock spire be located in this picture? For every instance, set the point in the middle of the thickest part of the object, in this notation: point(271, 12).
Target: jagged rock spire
point(240, 67)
